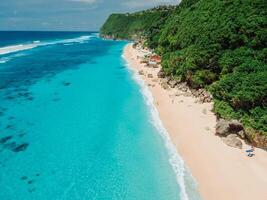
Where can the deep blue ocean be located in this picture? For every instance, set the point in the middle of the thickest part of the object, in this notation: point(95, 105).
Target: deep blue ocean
point(76, 123)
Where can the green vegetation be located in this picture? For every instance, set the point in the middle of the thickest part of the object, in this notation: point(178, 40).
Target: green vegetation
point(131, 26)
point(213, 44)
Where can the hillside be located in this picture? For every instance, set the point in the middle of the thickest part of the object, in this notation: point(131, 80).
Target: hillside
point(135, 25)
point(212, 44)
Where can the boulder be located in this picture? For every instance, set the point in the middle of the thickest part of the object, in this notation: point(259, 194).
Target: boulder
point(150, 75)
point(202, 99)
point(173, 83)
point(135, 45)
point(222, 127)
point(164, 80)
point(165, 85)
point(187, 94)
point(168, 79)
point(241, 134)
point(161, 74)
point(141, 72)
point(235, 126)
point(257, 140)
point(232, 141)
point(197, 93)
point(208, 99)
point(202, 95)
point(183, 87)
point(143, 62)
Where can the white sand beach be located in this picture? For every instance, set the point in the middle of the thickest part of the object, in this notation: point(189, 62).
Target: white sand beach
point(222, 172)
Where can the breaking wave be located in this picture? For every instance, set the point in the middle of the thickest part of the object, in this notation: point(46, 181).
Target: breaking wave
point(15, 48)
point(23, 47)
point(186, 182)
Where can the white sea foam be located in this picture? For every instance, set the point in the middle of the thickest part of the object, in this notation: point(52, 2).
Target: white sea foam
point(184, 178)
point(68, 44)
point(10, 57)
point(4, 60)
point(81, 39)
point(15, 48)
point(96, 34)
point(23, 47)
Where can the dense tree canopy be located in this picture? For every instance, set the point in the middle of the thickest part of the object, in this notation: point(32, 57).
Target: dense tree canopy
point(213, 44)
point(128, 26)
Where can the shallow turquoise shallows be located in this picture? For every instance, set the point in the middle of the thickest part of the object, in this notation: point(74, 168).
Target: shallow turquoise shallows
point(74, 123)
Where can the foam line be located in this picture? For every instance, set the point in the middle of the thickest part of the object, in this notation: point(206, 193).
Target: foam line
point(22, 47)
point(175, 159)
point(81, 39)
point(15, 48)
point(4, 60)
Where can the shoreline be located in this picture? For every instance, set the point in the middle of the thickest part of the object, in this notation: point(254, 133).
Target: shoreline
point(183, 175)
point(221, 172)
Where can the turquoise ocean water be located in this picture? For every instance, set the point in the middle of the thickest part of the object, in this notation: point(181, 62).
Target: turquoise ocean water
point(76, 123)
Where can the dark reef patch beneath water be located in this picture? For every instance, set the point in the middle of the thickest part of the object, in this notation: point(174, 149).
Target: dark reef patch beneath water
point(65, 83)
point(41, 63)
point(21, 147)
point(14, 147)
point(5, 139)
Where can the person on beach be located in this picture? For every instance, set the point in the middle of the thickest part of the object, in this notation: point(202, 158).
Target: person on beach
point(250, 152)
